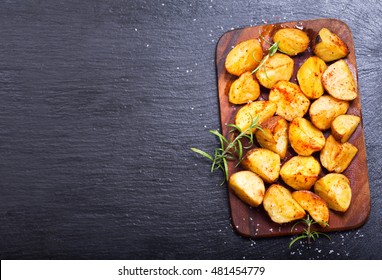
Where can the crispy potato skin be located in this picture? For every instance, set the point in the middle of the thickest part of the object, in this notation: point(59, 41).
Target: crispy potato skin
point(263, 162)
point(292, 41)
point(274, 135)
point(280, 205)
point(344, 126)
point(335, 190)
point(304, 137)
point(325, 109)
point(331, 46)
point(262, 109)
point(277, 67)
point(309, 77)
point(244, 57)
point(338, 81)
point(336, 156)
point(248, 186)
point(290, 100)
point(244, 89)
point(316, 206)
point(300, 172)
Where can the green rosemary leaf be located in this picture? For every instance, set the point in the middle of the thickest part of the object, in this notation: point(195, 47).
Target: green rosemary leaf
point(296, 239)
point(202, 153)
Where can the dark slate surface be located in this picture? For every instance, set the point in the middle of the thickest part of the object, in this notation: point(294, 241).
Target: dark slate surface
point(100, 103)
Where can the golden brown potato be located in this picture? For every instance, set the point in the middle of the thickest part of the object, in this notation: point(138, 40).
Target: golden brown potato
point(292, 41)
point(280, 205)
point(277, 67)
point(330, 47)
point(344, 126)
point(338, 81)
point(316, 206)
point(309, 77)
point(300, 172)
point(244, 57)
point(247, 113)
point(325, 109)
point(291, 102)
point(336, 156)
point(304, 137)
point(244, 89)
point(335, 190)
point(263, 162)
point(248, 186)
point(274, 135)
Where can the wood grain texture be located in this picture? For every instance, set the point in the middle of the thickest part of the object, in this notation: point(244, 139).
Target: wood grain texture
point(254, 222)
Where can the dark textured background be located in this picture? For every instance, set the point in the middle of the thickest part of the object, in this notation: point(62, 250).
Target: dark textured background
point(100, 103)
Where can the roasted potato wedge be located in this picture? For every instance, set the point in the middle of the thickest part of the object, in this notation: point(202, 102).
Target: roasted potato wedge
point(313, 204)
point(330, 47)
point(292, 41)
point(248, 186)
point(291, 102)
point(280, 205)
point(246, 88)
point(344, 126)
point(274, 135)
point(277, 67)
point(339, 82)
point(335, 190)
point(325, 109)
point(304, 137)
point(300, 172)
point(336, 156)
point(263, 162)
point(261, 109)
point(309, 77)
point(244, 57)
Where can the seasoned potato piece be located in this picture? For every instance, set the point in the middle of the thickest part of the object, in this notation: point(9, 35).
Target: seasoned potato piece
point(309, 77)
point(316, 206)
point(274, 135)
point(248, 186)
point(244, 57)
point(330, 47)
point(336, 156)
point(339, 82)
point(280, 205)
point(277, 67)
point(292, 41)
point(300, 172)
point(344, 126)
point(262, 109)
point(304, 137)
point(244, 89)
point(291, 102)
point(264, 163)
point(335, 190)
point(325, 109)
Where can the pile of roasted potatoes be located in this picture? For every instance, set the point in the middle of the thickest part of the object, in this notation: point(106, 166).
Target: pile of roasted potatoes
point(295, 115)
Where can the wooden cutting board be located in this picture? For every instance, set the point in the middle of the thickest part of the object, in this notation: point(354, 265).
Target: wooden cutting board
point(254, 222)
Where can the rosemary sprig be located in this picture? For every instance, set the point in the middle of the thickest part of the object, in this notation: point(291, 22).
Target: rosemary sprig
point(271, 51)
point(232, 149)
point(308, 233)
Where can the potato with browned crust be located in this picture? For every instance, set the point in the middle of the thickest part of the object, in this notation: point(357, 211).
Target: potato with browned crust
point(325, 109)
point(330, 47)
point(292, 41)
point(300, 172)
point(244, 89)
point(244, 57)
point(335, 190)
point(344, 126)
point(304, 137)
point(316, 206)
point(274, 135)
point(277, 67)
point(280, 205)
point(248, 186)
point(290, 100)
point(309, 77)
